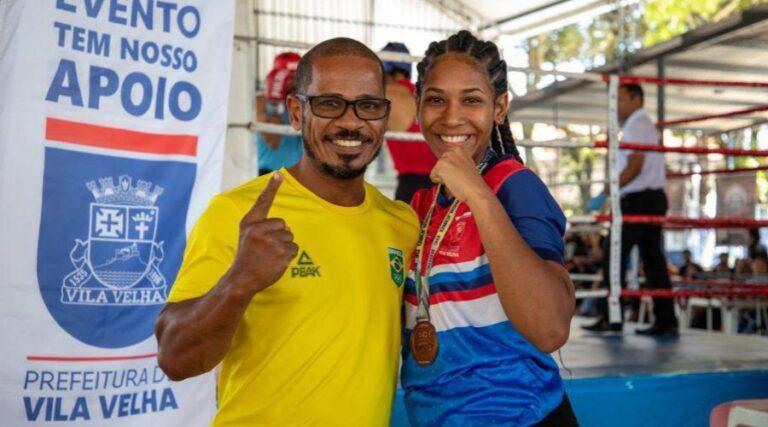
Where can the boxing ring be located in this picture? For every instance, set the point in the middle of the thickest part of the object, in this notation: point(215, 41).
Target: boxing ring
point(629, 380)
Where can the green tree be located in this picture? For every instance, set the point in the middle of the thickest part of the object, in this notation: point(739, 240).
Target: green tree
point(597, 43)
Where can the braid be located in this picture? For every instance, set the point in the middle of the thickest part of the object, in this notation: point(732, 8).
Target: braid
point(486, 53)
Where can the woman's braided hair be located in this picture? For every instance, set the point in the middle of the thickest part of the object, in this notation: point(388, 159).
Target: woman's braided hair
point(487, 54)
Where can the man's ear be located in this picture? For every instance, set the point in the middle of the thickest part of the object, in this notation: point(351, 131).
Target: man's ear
point(293, 105)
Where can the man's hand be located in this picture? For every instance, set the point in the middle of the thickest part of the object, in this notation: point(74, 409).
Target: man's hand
point(456, 170)
point(265, 248)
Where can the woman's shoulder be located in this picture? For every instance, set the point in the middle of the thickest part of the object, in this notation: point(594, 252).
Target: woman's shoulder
point(501, 168)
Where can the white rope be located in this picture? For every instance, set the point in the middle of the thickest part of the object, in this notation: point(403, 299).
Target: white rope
point(582, 219)
point(586, 228)
point(597, 293)
point(579, 277)
point(585, 182)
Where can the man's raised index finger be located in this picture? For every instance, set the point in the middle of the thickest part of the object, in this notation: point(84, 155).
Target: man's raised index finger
point(261, 207)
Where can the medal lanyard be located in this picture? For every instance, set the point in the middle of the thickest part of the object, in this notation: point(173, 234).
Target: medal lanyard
point(422, 284)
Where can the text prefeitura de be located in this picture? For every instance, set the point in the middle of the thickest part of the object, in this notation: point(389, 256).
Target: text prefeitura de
point(92, 380)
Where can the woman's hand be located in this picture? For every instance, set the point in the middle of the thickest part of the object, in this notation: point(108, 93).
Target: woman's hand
point(456, 170)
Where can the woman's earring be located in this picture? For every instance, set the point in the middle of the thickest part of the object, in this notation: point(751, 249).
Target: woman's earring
point(501, 141)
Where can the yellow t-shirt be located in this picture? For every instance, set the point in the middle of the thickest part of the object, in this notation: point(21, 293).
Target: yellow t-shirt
point(321, 345)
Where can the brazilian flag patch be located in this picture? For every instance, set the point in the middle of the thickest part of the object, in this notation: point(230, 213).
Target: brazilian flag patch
point(396, 266)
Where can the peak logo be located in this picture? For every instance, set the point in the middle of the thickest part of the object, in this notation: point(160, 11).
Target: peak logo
point(305, 267)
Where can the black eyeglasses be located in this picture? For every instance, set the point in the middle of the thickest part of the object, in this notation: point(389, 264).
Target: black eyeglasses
point(333, 107)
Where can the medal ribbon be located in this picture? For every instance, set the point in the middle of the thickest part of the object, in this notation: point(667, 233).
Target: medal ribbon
point(422, 283)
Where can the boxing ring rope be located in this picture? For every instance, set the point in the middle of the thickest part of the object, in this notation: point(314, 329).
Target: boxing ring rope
point(734, 171)
point(702, 118)
point(717, 171)
point(688, 222)
point(626, 79)
point(685, 150)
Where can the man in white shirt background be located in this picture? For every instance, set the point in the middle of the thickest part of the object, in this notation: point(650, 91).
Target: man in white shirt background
point(641, 183)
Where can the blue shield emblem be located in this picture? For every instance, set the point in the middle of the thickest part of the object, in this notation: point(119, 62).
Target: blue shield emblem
point(109, 247)
point(121, 239)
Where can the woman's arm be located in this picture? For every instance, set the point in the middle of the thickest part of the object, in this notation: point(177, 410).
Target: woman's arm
point(537, 295)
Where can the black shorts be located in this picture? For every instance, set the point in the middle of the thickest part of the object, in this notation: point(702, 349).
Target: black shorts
point(562, 416)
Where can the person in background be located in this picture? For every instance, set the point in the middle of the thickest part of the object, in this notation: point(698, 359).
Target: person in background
point(754, 246)
point(689, 268)
point(760, 264)
point(581, 263)
point(641, 187)
point(276, 151)
point(722, 268)
point(413, 160)
point(743, 269)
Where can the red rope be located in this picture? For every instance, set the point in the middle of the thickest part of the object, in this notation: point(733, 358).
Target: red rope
point(689, 150)
point(664, 293)
point(688, 222)
point(717, 283)
point(683, 82)
point(668, 123)
point(716, 171)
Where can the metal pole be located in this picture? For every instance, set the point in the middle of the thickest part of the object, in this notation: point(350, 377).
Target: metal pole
point(660, 97)
point(614, 304)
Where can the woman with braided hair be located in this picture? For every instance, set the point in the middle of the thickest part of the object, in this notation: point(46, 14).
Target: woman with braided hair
point(487, 298)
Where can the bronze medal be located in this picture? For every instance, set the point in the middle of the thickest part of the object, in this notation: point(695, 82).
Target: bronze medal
point(424, 343)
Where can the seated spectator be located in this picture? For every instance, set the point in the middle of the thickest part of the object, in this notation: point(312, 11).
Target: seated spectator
point(582, 264)
point(742, 269)
point(760, 264)
point(754, 247)
point(722, 269)
point(689, 268)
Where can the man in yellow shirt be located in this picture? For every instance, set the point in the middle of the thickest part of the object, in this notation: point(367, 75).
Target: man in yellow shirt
point(293, 281)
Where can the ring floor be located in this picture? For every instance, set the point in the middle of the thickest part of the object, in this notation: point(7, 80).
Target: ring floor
point(624, 379)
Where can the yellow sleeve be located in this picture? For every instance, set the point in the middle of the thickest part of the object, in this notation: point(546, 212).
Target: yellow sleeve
point(210, 250)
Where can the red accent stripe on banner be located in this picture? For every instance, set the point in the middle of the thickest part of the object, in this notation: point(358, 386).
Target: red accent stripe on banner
point(119, 139)
point(89, 359)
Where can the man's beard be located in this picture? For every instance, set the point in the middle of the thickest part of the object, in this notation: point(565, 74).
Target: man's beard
point(345, 171)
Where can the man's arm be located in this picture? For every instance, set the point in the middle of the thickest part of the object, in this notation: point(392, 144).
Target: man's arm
point(632, 170)
point(403, 107)
point(194, 336)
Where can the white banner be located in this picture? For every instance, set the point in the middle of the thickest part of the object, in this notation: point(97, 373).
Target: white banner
point(736, 198)
point(112, 125)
